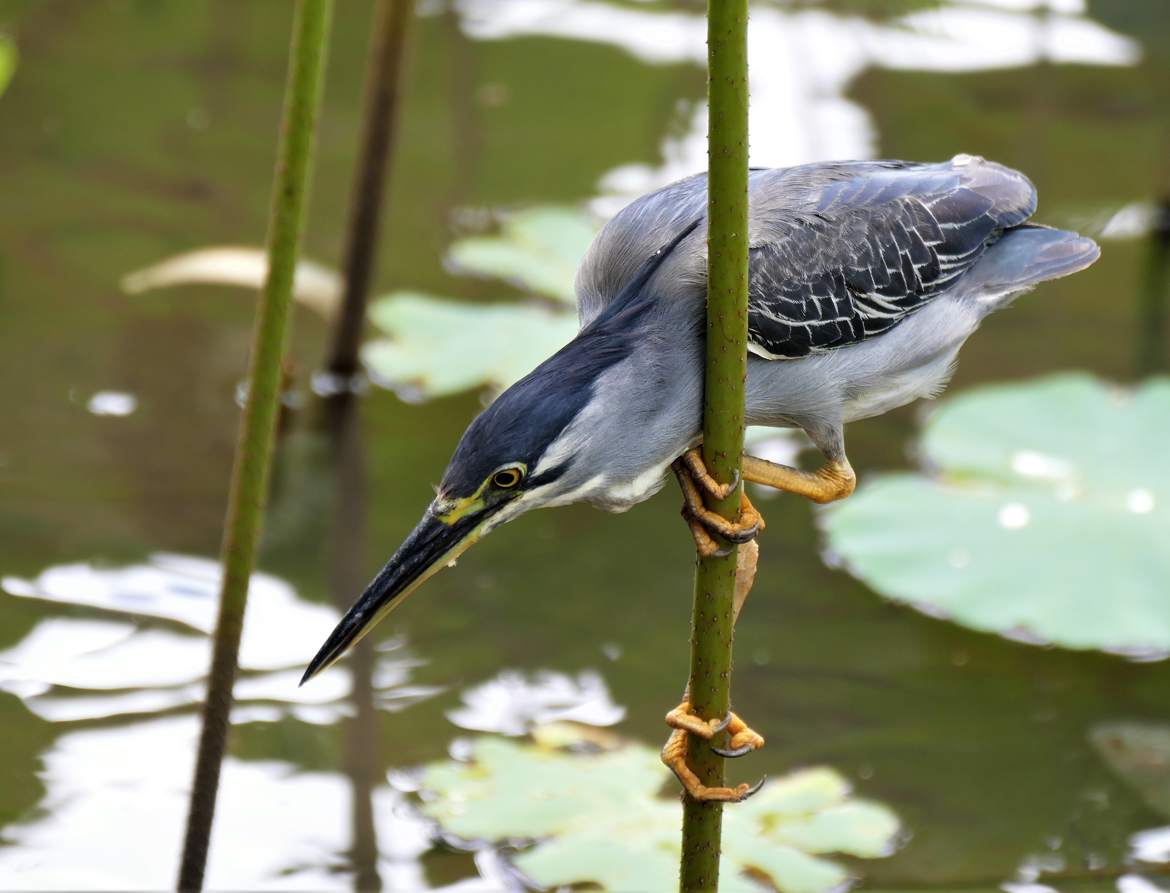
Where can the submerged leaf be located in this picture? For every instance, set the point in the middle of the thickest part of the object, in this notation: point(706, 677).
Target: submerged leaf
point(315, 285)
point(1046, 520)
point(1139, 754)
point(597, 817)
point(538, 249)
point(8, 58)
point(438, 347)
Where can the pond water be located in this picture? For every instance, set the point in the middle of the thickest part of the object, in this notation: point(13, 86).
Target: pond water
point(135, 130)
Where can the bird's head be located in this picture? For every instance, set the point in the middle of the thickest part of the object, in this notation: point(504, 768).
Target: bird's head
point(524, 451)
point(542, 442)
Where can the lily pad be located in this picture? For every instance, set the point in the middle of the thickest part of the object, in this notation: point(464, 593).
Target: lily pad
point(434, 346)
point(598, 817)
point(437, 346)
point(538, 250)
point(314, 285)
point(1045, 516)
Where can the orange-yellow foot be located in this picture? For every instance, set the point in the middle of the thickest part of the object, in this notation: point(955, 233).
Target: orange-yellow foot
point(832, 481)
point(743, 739)
point(692, 474)
point(674, 753)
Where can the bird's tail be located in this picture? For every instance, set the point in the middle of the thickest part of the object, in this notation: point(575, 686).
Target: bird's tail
point(1023, 258)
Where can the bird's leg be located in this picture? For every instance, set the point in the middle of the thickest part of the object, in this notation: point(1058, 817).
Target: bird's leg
point(683, 722)
point(832, 481)
point(692, 474)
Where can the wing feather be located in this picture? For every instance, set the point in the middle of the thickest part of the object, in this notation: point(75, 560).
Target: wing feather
point(874, 243)
point(839, 252)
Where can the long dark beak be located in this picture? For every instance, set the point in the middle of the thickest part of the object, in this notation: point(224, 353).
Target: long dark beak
point(433, 545)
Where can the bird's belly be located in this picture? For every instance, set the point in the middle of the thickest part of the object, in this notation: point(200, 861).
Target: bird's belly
point(909, 362)
point(924, 382)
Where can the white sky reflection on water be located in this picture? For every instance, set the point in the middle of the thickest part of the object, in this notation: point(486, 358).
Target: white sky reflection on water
point(512, 703)
point(184, 589)
point(802, 64)
point(116, 803)
point(124, 661)
point(114, 403)
point(116, 800)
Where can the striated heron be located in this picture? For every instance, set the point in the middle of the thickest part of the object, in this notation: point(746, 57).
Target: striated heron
point(865, 279)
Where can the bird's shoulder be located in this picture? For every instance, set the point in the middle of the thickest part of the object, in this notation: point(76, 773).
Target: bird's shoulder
point(839, 251)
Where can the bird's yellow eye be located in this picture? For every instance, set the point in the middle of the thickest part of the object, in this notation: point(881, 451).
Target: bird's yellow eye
point(506, 478)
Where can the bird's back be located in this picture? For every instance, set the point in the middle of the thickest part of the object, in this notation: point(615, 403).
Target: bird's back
point(840, 252)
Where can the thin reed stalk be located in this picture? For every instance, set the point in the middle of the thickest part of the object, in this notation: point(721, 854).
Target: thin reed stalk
point(249, 485)
point(387, 51)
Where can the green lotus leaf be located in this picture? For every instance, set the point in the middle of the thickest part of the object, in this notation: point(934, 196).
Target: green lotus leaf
point(1045, 516)
point(599, 817)
point(436, 346)
point(538, 249)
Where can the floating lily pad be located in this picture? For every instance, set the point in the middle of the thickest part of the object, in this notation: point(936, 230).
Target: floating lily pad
point(436, 346)
point(600, 817)
point(314, 285)
point(1045, 517)
point(538, 249)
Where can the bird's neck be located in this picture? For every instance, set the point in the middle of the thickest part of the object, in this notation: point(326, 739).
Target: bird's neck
point(642, 411)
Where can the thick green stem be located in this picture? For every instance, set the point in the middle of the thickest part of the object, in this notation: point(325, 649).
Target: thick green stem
point(387, 50)
point(249, 485)
point(723, 414)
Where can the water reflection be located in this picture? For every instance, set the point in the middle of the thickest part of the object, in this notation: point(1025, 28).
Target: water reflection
point(113, 403)
point(803, 62)
point(304, 829)
point(513, 704)
point(1154, 295)
point(116, 801)
point(144, 653)
point(347, 536)
point(144, 648)
point(1151, 845)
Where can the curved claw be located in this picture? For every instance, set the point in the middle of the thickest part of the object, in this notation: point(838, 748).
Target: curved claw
point(743, 739)
point(731, 531)
point(705, 544)
point(744, 535)
point(754, 789)
point(723, 724)
point(730, 486)
point(732, 752)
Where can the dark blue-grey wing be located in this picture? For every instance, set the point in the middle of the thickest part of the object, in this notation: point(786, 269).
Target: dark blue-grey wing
point(872, 248)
